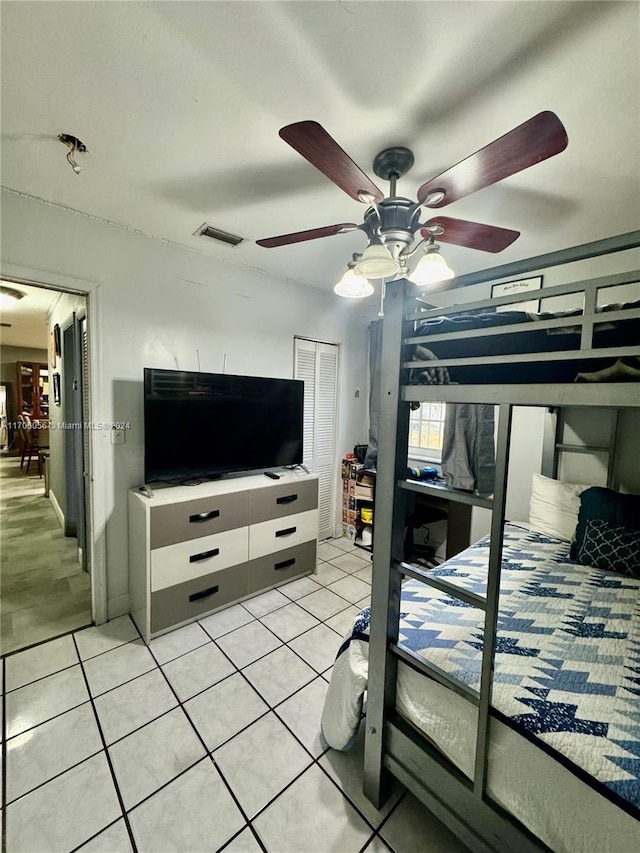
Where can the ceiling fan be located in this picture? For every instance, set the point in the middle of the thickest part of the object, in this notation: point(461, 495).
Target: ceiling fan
point(391, 223)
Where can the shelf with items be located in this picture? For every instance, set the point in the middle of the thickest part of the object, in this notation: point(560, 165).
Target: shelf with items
point(357, 502)
point(33, 389)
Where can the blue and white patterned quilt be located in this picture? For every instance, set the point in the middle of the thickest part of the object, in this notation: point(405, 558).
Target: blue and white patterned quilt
point(567, 659)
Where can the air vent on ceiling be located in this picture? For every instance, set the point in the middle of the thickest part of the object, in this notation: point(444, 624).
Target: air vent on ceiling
point(216, 234)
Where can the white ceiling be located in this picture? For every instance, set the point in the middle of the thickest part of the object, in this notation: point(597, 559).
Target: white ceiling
point(180, 103)
point(26, 319)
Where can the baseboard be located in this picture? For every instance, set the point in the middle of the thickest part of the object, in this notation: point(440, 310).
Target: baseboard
point(117, 606)
point(57, 508)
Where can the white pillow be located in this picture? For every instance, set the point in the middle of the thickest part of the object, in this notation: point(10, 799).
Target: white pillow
point(554, 506)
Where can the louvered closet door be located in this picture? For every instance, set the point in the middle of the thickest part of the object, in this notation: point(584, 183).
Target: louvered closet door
point(317, 365)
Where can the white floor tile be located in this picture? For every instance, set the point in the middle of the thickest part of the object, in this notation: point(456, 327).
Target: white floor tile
point(365, 574)
point(351, 588)
point(194, 672)
point(312, 815)
point(224, 709)
point(178, 642)
point(265, 603)
point(318, 647)
point(344, 544)
point(132, 705)
point(248, 643)
point(153, 755)
point(323, 604)
point(244, 843)
point(328, 573)
point(279, 674)
point(302, 712)
point(296, 589)
point(346, 769)
point(114, 839)
point(40, 661)
point(364, 602)
point(113, 668)
point(101, 638)
point(377, 846)
point(260, 761)
point(289, 621)
point(412, 828)
point(194, 813)
point(50, 749)
point(33, 704)
point(327, 551)
point(65, 812)
point(225, 621)
point(342, 622)
point(351, 562)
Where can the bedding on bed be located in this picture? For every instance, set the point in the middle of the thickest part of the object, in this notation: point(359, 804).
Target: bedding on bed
point(621, 333)
point(567, 670)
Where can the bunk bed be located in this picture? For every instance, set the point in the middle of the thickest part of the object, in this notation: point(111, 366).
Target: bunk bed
point(468, 700)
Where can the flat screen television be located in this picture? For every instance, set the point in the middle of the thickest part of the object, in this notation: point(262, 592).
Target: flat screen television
point(205, 425)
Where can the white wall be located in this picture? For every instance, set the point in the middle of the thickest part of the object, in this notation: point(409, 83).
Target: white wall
point(159, 305)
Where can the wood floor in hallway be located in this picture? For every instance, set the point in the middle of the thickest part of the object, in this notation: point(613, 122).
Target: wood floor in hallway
point(43, 590)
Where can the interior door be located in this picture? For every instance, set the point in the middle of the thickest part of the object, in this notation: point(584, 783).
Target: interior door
point(316, 363)
point(74, 413)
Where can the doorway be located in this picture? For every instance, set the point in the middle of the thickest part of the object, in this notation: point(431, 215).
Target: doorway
point(45, 571)
point(316, 363)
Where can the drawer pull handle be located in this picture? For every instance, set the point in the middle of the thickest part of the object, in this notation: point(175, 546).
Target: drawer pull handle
point(287, 499)
point(285, 564)
point(196, 558)
point(204, 594)
point(204, 516)
point(286, 532)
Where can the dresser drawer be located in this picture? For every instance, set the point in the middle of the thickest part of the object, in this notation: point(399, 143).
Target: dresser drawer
point(190, 599)
point(281, 533)
point(283, 499)
point(186, 520)
point(189, 560)
point(282, 566)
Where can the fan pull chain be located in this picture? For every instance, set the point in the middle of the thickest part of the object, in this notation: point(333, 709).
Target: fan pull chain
point(383, 288)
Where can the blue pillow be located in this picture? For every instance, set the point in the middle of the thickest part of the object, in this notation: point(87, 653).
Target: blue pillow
point(614, 549)
point(601, 504)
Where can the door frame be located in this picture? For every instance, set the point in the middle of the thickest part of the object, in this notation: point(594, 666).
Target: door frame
point(97, 440)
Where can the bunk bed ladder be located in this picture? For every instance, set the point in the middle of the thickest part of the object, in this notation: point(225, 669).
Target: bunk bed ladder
point(554, 445)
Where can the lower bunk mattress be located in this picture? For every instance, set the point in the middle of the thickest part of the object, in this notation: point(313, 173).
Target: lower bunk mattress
point(564, 752)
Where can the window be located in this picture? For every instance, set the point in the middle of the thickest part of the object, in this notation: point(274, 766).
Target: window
point(426, 430)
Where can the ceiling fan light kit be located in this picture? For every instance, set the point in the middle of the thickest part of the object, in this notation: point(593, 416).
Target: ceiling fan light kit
point(392, 224)
point(376, 262)
point(431, 268)
point(353, 286)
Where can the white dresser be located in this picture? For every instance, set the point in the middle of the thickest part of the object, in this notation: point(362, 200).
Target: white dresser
point(195, 549)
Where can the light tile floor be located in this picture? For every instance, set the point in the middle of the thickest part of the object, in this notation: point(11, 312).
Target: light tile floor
point(208, 739)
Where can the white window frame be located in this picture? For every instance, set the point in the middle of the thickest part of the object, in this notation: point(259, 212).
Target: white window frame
point(426, 454)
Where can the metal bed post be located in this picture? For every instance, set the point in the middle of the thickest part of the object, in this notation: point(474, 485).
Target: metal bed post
point(492, 598)
point(387, 544)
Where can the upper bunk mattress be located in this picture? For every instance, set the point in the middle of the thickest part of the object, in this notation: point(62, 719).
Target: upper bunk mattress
point(621, 333)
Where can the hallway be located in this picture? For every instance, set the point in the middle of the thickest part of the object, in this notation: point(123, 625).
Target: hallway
point(44, 591)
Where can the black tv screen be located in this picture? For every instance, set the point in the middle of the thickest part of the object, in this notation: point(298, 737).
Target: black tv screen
point(204, 425)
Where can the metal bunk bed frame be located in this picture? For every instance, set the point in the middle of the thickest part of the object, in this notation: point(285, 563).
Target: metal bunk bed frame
point(393, 747)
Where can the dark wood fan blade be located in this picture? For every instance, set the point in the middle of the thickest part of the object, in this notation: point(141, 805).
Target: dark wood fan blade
point(312, 234)
point(473, 235)
point(314, 143)
point(535, 140)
